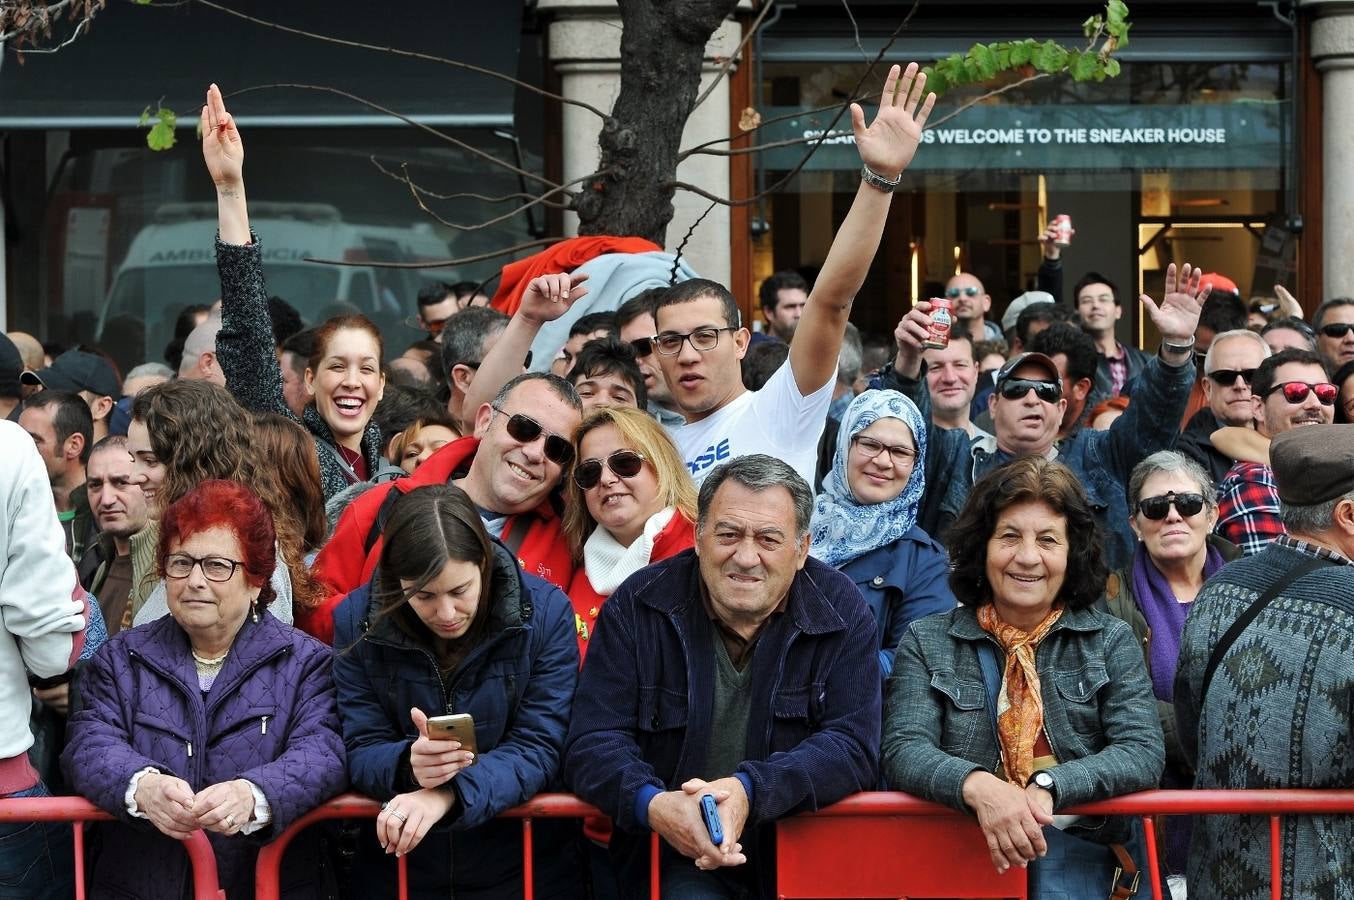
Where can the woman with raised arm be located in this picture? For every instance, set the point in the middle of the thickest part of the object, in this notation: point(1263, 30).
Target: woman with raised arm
point(343, 376)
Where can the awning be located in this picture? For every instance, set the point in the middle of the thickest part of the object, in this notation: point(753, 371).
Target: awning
point(134, 55)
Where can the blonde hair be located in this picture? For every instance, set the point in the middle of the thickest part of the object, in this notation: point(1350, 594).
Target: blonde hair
point(641, 433)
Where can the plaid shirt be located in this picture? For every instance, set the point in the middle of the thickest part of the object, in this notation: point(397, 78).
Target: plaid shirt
point(1307, 548)
point(1248, 507)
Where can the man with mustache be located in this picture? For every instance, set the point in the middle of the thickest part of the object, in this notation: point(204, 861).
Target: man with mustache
point(1028, 408)
point(1289, 390)
point(108, 569)
point(742, 670)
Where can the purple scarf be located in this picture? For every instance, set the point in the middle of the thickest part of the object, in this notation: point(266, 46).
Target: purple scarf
point(1165, 615)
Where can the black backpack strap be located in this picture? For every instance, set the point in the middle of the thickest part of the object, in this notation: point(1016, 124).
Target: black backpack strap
point(516, 535)
point(1246, 618)
point(382, 514)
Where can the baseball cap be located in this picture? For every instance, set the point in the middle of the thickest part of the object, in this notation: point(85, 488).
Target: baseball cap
point(1020, 304)
point(1029, 359)
point(1220, 283)
point(77, 370)
point(11, 365)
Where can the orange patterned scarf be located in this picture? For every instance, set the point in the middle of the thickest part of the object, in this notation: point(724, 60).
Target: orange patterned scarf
point(1020, 708)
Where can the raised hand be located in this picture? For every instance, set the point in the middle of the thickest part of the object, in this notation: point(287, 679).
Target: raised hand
point(890, 141)
point(1048, 242)
point(548, 297)
point(222, 148)
point(1178, 314)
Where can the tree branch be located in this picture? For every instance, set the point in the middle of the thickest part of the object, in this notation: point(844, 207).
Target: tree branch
point(733, 57)
point(987, 96)
point(410, 54)
point(703, 148)
point(446, 263)
point(462, 195)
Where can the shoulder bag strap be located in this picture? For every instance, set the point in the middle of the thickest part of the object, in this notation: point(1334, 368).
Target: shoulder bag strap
point(1229, 638)
point(987, 661)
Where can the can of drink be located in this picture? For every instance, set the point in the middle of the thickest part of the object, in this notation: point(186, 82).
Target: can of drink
point(942, 318)
point(1065, 230)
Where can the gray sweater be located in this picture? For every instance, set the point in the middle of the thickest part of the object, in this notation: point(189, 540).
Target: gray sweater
point(246, 351)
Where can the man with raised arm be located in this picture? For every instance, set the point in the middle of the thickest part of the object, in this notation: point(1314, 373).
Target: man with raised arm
point(701, 339)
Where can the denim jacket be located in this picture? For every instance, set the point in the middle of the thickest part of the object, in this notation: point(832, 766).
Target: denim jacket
point(1099, 713)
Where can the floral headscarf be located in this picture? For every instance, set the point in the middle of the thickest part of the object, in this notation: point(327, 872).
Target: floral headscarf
point(843, 528)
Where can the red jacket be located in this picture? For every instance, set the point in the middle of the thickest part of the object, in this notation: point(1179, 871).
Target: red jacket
point(343, 565)
point(565, 256)
point(676, 536)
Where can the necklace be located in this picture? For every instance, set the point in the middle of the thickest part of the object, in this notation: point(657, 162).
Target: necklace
point(210, 662)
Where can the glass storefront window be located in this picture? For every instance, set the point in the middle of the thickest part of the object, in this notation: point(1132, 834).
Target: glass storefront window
point(1170, 162)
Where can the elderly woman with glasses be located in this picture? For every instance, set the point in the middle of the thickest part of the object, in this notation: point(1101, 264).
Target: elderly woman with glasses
point(217, 716)
point(1174, 510)
point(865, 519)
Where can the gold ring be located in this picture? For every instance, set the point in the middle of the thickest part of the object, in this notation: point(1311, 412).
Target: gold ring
point(230, 821)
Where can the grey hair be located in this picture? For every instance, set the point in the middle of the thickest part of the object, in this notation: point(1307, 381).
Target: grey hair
point(1170, 461)
point(201, 340)
point(1312, 519)
point(465, 333)
point(563, 389)
point(150, 370)
point(849, 357)
point(1265, 351)
point(758, 472)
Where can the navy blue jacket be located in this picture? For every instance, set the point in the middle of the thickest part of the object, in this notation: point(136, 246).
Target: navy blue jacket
point(518, 683)
point(642, 717)
point(902, 582)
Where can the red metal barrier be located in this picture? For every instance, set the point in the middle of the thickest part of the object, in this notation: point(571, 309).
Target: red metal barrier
point(879, 844)
point(77, 811)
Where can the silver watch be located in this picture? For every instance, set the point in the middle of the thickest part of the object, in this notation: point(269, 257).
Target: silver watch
point(1043, 780)
point(875, 180)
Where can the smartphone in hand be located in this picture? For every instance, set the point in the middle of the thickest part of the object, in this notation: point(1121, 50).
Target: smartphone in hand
point(458, 727)
point(712, 824)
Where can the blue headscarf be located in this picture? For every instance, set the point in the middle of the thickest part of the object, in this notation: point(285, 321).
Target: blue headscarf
point(843, 528)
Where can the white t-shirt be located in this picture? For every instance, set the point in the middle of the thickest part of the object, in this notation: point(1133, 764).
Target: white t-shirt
point(777, 420)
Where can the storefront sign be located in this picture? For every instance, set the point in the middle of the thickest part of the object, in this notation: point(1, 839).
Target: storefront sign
point(1243, 135)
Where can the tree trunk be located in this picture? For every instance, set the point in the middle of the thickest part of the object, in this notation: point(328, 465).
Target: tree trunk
point(662, 49)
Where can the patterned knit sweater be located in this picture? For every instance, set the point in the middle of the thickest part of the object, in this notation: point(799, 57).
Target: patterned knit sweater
point(1278, 714)
point(245, 349)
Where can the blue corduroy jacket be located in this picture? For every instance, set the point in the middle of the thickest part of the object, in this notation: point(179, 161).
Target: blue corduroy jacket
point(641, 719)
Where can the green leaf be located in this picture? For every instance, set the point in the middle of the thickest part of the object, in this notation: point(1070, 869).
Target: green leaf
point(1092, 25)
point(161, 134)
point(1116, 12)
point(984, 60)
point(1112, 67)
point(1050, 57)
point(1084, 66)
point(1021, 52)
point(145, 117)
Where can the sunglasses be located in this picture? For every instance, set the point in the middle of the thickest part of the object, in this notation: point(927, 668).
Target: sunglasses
point(1337, 329)
point(525, 429)
point(1157, 507)
point(642, 347)
point(1018, 388)
point(969, 291)
point(623, 463)
point(1228, 377)
point(1297, 391)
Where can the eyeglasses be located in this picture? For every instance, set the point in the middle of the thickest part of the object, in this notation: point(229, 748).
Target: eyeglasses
point(1157, 507)
point(1297, 391)
point(214, 568)
point(432, 326)
point(969, 291)
point(869, 448)
point(669, 343)
point(624, 463)
point(1337, 329)
point(1018, 388)
point(1228, 377)
point(525, 429)
point(642, 347)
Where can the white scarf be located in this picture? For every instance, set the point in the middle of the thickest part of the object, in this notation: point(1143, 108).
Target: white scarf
point(607, 563)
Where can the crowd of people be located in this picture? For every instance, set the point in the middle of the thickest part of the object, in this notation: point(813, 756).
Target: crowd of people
point(701, 578)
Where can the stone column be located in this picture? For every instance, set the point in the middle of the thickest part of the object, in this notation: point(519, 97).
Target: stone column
point(584, 47)
point(1332, 48)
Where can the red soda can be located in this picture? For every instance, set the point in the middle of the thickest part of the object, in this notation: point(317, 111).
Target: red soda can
point(942, 318)
point(1065, 230)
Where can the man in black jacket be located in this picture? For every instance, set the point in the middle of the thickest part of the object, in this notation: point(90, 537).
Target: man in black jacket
point(1228, 368)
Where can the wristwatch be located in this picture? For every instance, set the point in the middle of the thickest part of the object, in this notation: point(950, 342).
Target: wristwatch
point(1043, 780)
point(1179, 348)
point(875, 180)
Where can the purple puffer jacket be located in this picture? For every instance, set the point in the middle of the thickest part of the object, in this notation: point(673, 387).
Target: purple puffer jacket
point(269, 718)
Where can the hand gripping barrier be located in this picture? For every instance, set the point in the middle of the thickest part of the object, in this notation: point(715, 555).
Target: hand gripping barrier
point(77, 810)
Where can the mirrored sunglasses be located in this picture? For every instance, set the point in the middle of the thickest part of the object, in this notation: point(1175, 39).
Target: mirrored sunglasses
point(624, 463)
point(1017, 388)
point(1297, 391)
point(969, 291)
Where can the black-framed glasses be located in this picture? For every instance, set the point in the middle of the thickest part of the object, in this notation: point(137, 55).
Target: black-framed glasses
point(524, 429)
point(1297, 391)
point(669, 343)
point(869, 448)
point(214, 568)
point(1018, 388)
point(1337, 329)
point(623, 463)
point(642, 346)
point(1157, 507)
point(1228, 377)
point(969, 291)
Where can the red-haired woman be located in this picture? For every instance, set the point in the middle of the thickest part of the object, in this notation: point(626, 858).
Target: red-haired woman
point(343, 376)
point(217, 716)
